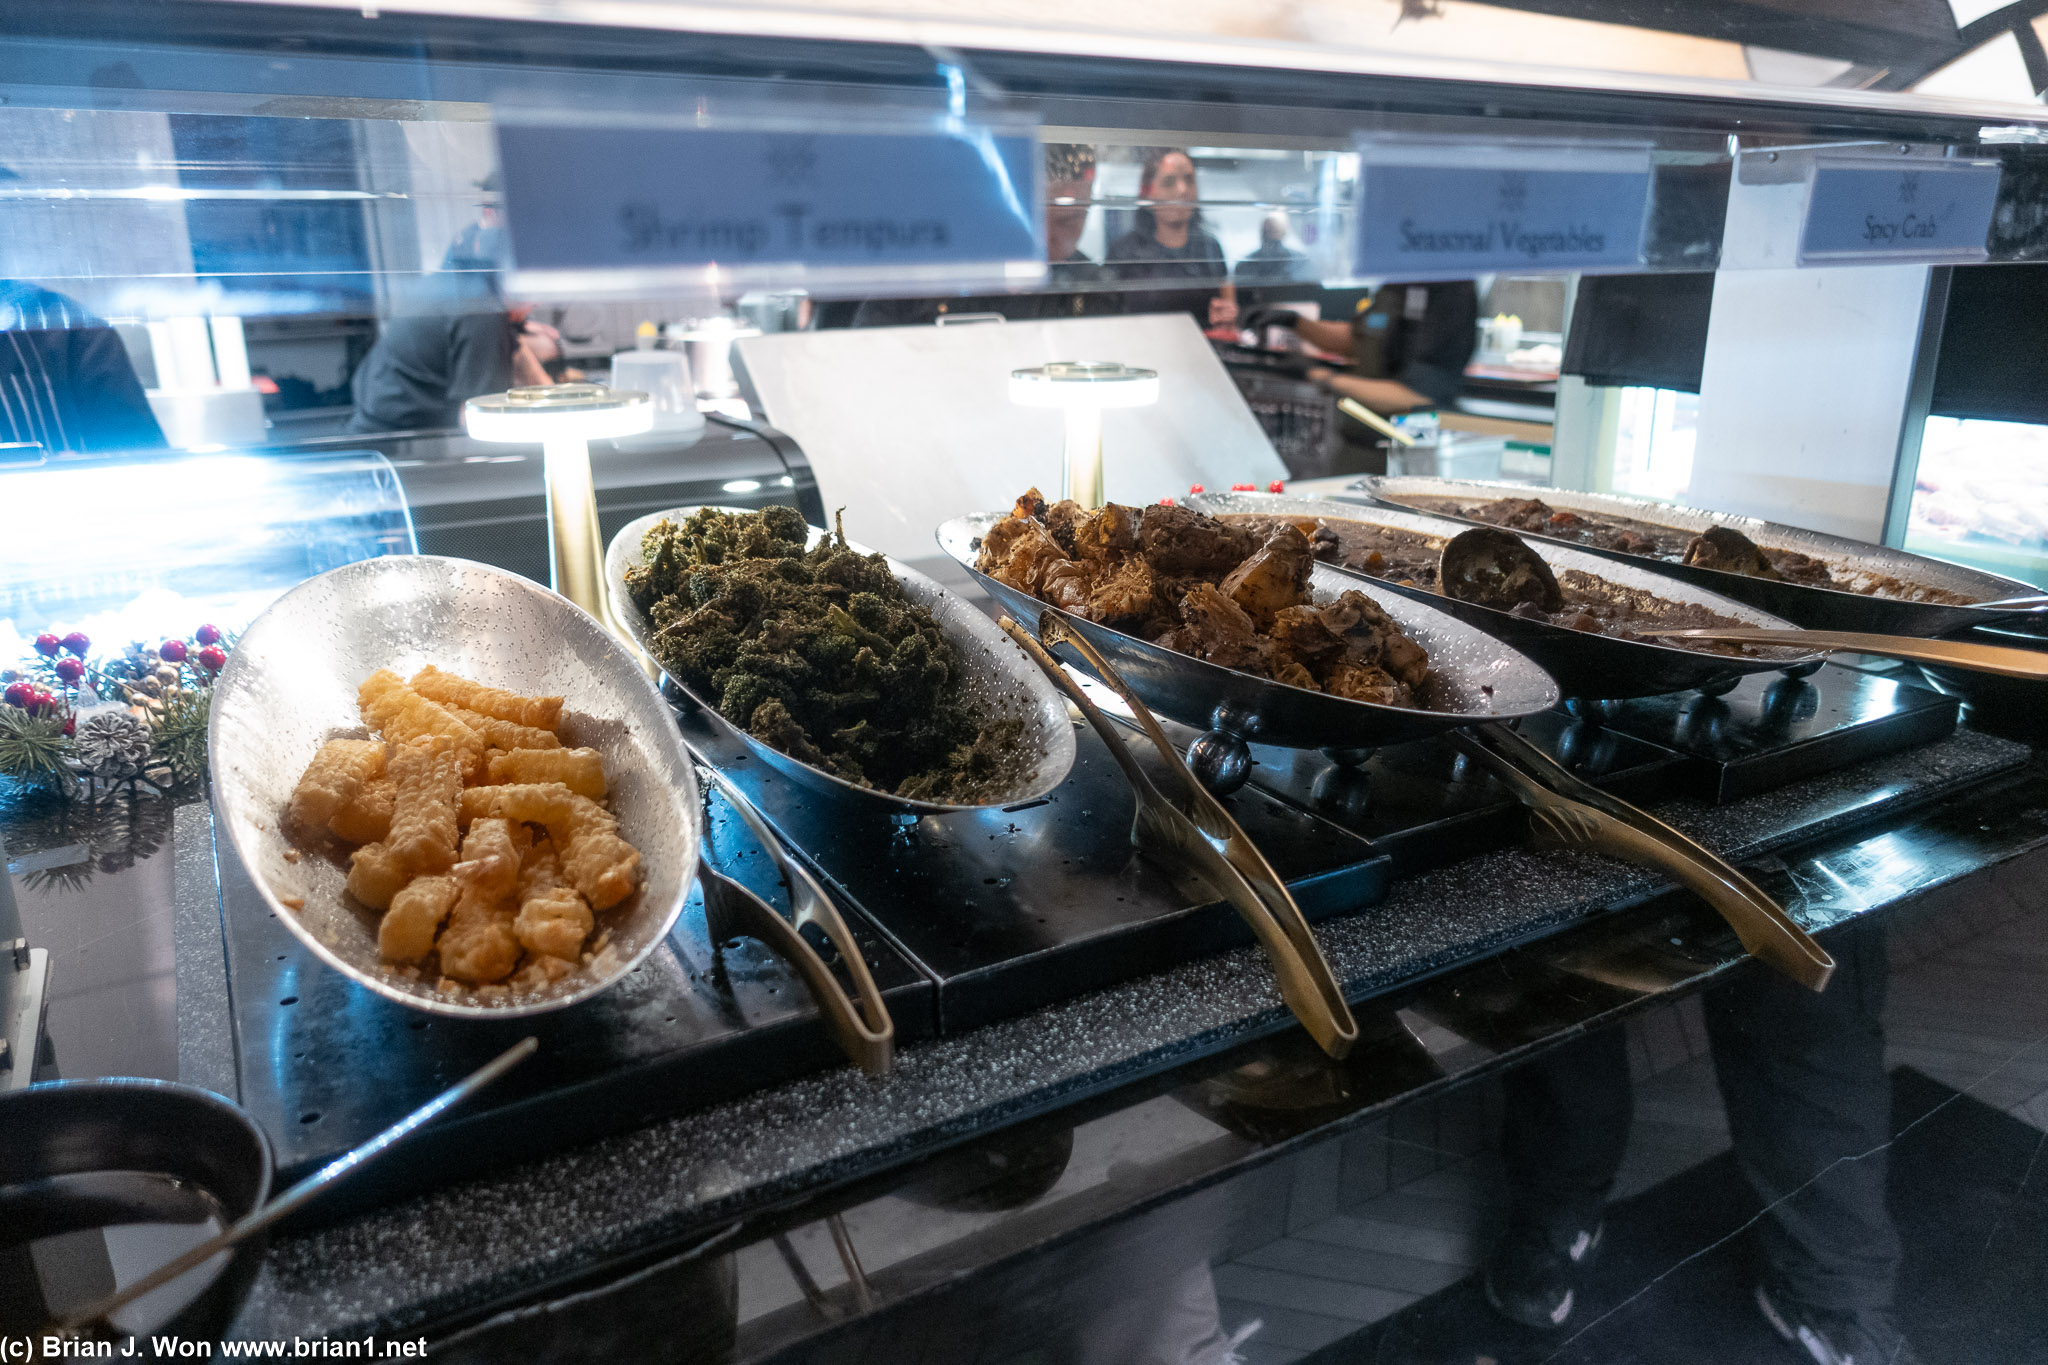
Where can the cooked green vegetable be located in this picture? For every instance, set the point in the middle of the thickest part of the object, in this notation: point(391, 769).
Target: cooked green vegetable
point(818, 653)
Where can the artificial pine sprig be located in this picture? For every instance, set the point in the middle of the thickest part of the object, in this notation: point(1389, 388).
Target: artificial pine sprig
point(32, 747)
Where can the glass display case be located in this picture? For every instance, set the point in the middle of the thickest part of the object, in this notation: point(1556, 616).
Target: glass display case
point(256, 257)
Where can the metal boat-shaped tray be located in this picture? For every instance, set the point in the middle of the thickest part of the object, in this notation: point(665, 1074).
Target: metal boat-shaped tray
point(998, 676)
point(290, 685)
point(1478, 677)
point(1802, 604)
point(1585, 664)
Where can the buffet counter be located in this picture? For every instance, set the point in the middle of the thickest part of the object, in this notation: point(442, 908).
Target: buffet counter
point(945, 1178)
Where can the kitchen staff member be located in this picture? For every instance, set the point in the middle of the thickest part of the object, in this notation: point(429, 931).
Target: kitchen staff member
point(65, 380)
point(1408, 348)
point(1170, 244)
point(459, 340)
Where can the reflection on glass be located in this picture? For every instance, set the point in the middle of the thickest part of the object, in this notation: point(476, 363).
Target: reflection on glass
point(1981, 496)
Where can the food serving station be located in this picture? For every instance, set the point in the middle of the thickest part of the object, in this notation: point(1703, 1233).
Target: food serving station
point(1229, 839)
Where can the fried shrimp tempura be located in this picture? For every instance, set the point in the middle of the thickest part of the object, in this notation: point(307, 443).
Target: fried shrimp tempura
point(553, 919)
point(332, 781)
point(408, 928)
point(542, 713)
point(479, 945)
point(492, 853)
point(446, 809)
point(428, 781)
point(595, 860)
point(367, 819)
point(376, 875)
point(580, 770)
point(505, 734)
point(403, 714)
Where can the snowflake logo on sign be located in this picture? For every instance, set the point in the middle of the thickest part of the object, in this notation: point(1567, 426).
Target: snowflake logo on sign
point(792, 160)
point(1514, 191)
point(1909, 187)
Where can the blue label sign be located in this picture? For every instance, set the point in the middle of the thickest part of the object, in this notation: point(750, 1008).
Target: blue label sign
point(612, 198)
point(1908, 211)
point(1432, 221)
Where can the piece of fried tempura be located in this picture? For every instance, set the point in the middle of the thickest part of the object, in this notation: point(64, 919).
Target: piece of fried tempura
point(334, 778)
point(553, 919)
point(580, 770)
point(403, 714)
point(428, 784)
point(367, 819)
point(408, 928)
point(505, 734)
point(542, 713)
point(595, 860)
point(376, 875)
point(492, 853)
point(479, 945)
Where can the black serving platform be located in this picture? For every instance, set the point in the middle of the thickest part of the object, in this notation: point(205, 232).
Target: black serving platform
point(1771, 729)
point(323, 1063)
point(1011, 909)
point(1423, 804)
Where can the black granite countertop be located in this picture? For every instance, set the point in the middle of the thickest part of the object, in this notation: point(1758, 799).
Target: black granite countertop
point(451, 1255)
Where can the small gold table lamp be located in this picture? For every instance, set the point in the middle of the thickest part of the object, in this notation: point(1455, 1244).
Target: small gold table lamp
point(564, 419)
point(1082, 389)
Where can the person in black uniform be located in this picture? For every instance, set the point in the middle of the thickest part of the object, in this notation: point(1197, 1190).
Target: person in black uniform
point(458, 338)
point(65, 380)
point(1070, 275)
point(1170, 245)
point(1408, 348)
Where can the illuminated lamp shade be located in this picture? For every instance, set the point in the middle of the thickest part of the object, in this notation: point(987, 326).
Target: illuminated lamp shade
point(563, 419)
point(1082, 389)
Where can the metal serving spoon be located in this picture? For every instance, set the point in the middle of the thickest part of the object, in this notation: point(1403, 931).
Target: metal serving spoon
point(867, 1034)
point(1490, 567)
point(1998, 659)
point(298, 1195)
point(1198, 832)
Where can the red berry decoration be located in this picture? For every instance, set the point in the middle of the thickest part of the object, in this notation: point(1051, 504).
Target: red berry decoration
point(70, 726)
point(171, 651)
point(1244, 488)
point(1276, 487)
point(1196, 488)
point(70, 670)
point(213, 658)
point(42, 701)
point(19, 694)
point(76, 643)
point(207, 635)
point(1166, 502)
point(47, 645)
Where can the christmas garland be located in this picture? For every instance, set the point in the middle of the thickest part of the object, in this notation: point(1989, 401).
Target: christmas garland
point(67, 721)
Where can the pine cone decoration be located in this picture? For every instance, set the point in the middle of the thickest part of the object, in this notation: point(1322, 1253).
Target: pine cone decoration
point(112, 744)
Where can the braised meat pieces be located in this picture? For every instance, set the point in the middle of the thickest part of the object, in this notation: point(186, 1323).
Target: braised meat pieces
point(1206, 588)
point(1718, 547)
point(1503, 574)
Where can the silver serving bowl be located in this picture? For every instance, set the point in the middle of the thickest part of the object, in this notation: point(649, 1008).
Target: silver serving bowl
point(290, 685)
point(999, 677)
point(1586, 664)
point(1802, 604)
point(1474, 677)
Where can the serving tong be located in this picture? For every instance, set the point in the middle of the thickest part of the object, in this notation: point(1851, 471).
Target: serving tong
point(1569, 811)
point(864, 1031)
point(1196, 832)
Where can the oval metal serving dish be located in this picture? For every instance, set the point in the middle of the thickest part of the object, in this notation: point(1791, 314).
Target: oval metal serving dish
point(998, 677)
point(1800, 603)
point(291, 684)
point(1477, 677)
point(1584, 663)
